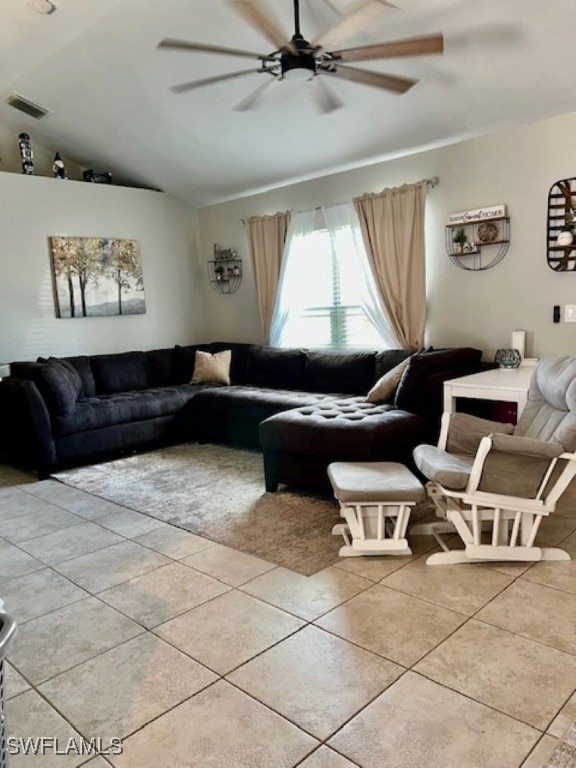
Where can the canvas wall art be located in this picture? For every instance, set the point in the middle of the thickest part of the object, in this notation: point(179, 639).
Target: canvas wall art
point(96, 276)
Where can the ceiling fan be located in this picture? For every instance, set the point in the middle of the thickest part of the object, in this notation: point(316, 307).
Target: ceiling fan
point(302, 60)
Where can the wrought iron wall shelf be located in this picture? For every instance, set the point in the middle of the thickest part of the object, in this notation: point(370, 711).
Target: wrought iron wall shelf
point(225, 275)
point(486, 243)
point(561, 215)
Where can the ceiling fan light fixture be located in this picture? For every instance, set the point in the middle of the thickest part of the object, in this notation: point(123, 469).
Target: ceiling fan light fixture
point(300, 67)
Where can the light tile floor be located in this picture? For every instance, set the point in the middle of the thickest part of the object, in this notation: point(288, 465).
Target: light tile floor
point(199, 656)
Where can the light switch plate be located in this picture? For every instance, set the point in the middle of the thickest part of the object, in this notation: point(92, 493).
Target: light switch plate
point(570, 313)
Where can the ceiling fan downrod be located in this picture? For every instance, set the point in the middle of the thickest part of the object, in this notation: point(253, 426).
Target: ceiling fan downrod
point(297, 32)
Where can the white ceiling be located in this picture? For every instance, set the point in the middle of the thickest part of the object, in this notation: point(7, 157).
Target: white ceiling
point(94, 63)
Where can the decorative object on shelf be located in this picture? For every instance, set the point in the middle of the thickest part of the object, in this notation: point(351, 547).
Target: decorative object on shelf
point(479, 239)
point(97, 178)
point(96, 276)
point(487, 232)
point(58, 167)
point(507, 358)
point(566, 236)
point(519, 342)
point(26, 154)
point(460, 238)
point(561, 248)
point(225, 270)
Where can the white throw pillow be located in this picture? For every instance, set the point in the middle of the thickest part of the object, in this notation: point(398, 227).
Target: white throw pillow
point(212, 369)
point(385, 387)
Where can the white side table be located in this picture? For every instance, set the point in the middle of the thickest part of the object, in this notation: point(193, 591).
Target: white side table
point(508, 384)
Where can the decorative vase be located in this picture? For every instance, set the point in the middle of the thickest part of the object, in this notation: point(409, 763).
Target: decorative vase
point(508, 358)
point(566, 237)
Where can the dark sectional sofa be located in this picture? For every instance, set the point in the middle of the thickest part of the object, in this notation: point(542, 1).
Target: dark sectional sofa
point(302, 408)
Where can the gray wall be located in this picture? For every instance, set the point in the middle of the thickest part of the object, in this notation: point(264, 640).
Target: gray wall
point(515, 167)
point(33, 208)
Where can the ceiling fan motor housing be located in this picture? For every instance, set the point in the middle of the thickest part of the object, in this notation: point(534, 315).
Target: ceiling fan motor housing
point(299, 66)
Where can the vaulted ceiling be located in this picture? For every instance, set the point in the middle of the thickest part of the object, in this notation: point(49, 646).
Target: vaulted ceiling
point(95, 65)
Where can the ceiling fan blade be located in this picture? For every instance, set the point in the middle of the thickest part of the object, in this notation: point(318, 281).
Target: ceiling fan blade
point(375, 79)
point(185, 45)
point(416, 46)
point(256, 14)
point(326, 98)
point(253, 98)
point(362, 17)
point(183, 87)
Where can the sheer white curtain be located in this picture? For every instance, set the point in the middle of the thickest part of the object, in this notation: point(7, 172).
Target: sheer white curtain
point(290, 299)
point(344, 227)
point(301, 287)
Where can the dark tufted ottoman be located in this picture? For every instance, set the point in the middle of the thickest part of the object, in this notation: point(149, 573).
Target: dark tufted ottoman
point(299, 444)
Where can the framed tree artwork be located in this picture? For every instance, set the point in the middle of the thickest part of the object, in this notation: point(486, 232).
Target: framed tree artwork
point(96, 276)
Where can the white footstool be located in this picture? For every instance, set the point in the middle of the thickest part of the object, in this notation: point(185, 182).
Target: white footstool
point(375, 500)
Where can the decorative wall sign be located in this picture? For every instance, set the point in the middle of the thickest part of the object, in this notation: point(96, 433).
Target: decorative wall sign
point(478, 214)
point(96, 276)
point(561, 255)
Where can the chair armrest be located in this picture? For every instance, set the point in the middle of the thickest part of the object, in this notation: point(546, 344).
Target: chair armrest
point(463, 432)
point(511, 466)
point(526, 446)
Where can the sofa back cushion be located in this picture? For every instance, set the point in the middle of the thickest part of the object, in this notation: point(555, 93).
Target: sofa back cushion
point(422, 380)
point(275, 368)
point(123, 372)
point(388, 359)
point(350, 373)
point(240, 358)
point(161, 367)
point(60, 383)
point(84, 368)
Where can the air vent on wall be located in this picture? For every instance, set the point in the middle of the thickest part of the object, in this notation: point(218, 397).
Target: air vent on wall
point(28, 107)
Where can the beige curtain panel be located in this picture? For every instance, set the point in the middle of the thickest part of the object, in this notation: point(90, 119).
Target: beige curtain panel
point(392, 225)
point(266, 236)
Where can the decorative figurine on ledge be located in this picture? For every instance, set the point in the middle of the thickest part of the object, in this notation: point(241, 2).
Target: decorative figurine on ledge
point(26, 154)
point(58, 167)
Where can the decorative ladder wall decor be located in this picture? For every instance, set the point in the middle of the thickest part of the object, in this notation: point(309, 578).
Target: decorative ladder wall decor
point(561, 214)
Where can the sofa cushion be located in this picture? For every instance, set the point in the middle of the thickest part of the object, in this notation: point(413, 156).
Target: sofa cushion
point(161, 367)
point(346, 372)
point(345, 429)
point(240, 357)
point(232, 414)
point(84, 368)
point(212, 369)
point(124, 372)
point(61, 384)
point(424, 364)
point(275, 368)
point(124, 407)
point(184, 358)
point(386, 386)
point(388, 359)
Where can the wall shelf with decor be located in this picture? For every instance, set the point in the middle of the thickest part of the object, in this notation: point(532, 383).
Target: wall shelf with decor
point(225, 275)
point(477, 245)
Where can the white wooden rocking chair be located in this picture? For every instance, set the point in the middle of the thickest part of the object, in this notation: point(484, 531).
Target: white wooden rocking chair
point(493, 484)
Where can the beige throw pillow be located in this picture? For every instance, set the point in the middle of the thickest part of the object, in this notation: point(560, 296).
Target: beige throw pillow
point(212, 369)
point(385, 387)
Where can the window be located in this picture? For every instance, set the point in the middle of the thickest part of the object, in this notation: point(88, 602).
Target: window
point(326, 286)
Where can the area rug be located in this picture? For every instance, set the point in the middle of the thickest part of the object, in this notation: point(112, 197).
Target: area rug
point(218, 492)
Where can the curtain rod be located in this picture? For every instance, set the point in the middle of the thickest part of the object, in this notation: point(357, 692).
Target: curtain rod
point(430, 183)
